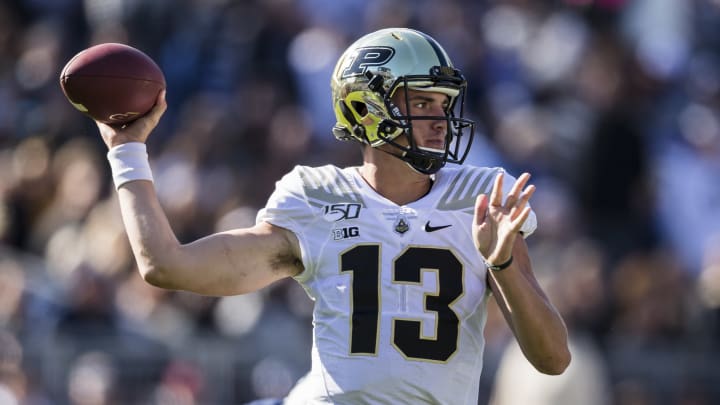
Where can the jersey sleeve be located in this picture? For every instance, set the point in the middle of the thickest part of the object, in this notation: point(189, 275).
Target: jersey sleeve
point(288, 208)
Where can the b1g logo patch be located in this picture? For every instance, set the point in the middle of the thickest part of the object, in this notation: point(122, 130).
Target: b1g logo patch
point(345, 233)
point(368, 57)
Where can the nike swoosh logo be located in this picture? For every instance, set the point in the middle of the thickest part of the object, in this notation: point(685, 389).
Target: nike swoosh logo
point(430, 228)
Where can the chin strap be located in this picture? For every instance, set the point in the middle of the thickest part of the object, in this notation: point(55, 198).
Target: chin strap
point(424, 165)
point(421, 164)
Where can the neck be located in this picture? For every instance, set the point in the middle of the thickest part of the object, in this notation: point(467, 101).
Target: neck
point(394, 179)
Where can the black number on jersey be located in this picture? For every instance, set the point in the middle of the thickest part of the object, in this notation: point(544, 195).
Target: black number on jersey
point(363, 261)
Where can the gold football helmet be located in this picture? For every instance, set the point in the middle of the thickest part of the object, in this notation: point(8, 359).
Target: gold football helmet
point(368, 74)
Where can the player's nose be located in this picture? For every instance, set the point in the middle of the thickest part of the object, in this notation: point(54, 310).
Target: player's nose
point(440, 124)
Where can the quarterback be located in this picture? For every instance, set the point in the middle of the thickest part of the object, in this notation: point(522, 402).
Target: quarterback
point(399, 254)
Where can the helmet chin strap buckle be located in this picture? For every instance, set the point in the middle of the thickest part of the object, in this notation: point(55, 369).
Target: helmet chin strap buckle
point(387, 127)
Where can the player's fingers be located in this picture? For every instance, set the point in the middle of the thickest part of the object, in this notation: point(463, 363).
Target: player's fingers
point(520, 220)
point(522, 202)
point(516, 190)
point(496, 194)
point(481, 205)
point(161, 101)
point(525, 196)
point(140, 129)
point(158, 109)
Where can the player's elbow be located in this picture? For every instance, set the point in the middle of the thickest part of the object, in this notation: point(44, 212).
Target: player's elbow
point(153, 275)
point(554, 364)
point(156, 273)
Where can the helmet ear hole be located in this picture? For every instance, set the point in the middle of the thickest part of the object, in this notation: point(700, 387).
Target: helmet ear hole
point(361, 108)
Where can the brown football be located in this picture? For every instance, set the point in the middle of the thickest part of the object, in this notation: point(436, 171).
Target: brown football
point(112, 83)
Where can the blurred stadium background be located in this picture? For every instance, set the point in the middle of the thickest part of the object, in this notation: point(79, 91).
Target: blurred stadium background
point(611, 104)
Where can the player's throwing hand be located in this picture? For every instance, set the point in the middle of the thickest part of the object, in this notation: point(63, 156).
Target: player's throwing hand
point(136, 131)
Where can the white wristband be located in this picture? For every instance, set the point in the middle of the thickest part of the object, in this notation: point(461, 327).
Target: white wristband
point(129, 162)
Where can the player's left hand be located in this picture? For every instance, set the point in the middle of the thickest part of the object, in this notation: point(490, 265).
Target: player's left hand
point(496, 225)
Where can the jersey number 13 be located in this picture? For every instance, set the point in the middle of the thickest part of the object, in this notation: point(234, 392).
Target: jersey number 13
point(363, 262)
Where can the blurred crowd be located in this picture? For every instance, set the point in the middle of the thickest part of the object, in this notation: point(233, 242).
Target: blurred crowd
point(612, 105)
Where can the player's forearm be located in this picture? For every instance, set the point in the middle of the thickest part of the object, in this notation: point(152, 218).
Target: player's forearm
point(538, 327)
point(151, 237)
point(226, 263)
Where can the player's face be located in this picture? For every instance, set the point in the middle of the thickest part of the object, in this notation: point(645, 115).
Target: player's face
point(427, 133)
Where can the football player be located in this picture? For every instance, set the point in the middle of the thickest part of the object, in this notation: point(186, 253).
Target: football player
point(399, 254)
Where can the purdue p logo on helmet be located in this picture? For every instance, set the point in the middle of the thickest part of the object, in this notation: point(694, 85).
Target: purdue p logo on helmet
point(367, 76)
point(364, 58)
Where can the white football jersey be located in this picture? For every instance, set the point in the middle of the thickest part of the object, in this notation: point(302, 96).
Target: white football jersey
point(400, 291)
